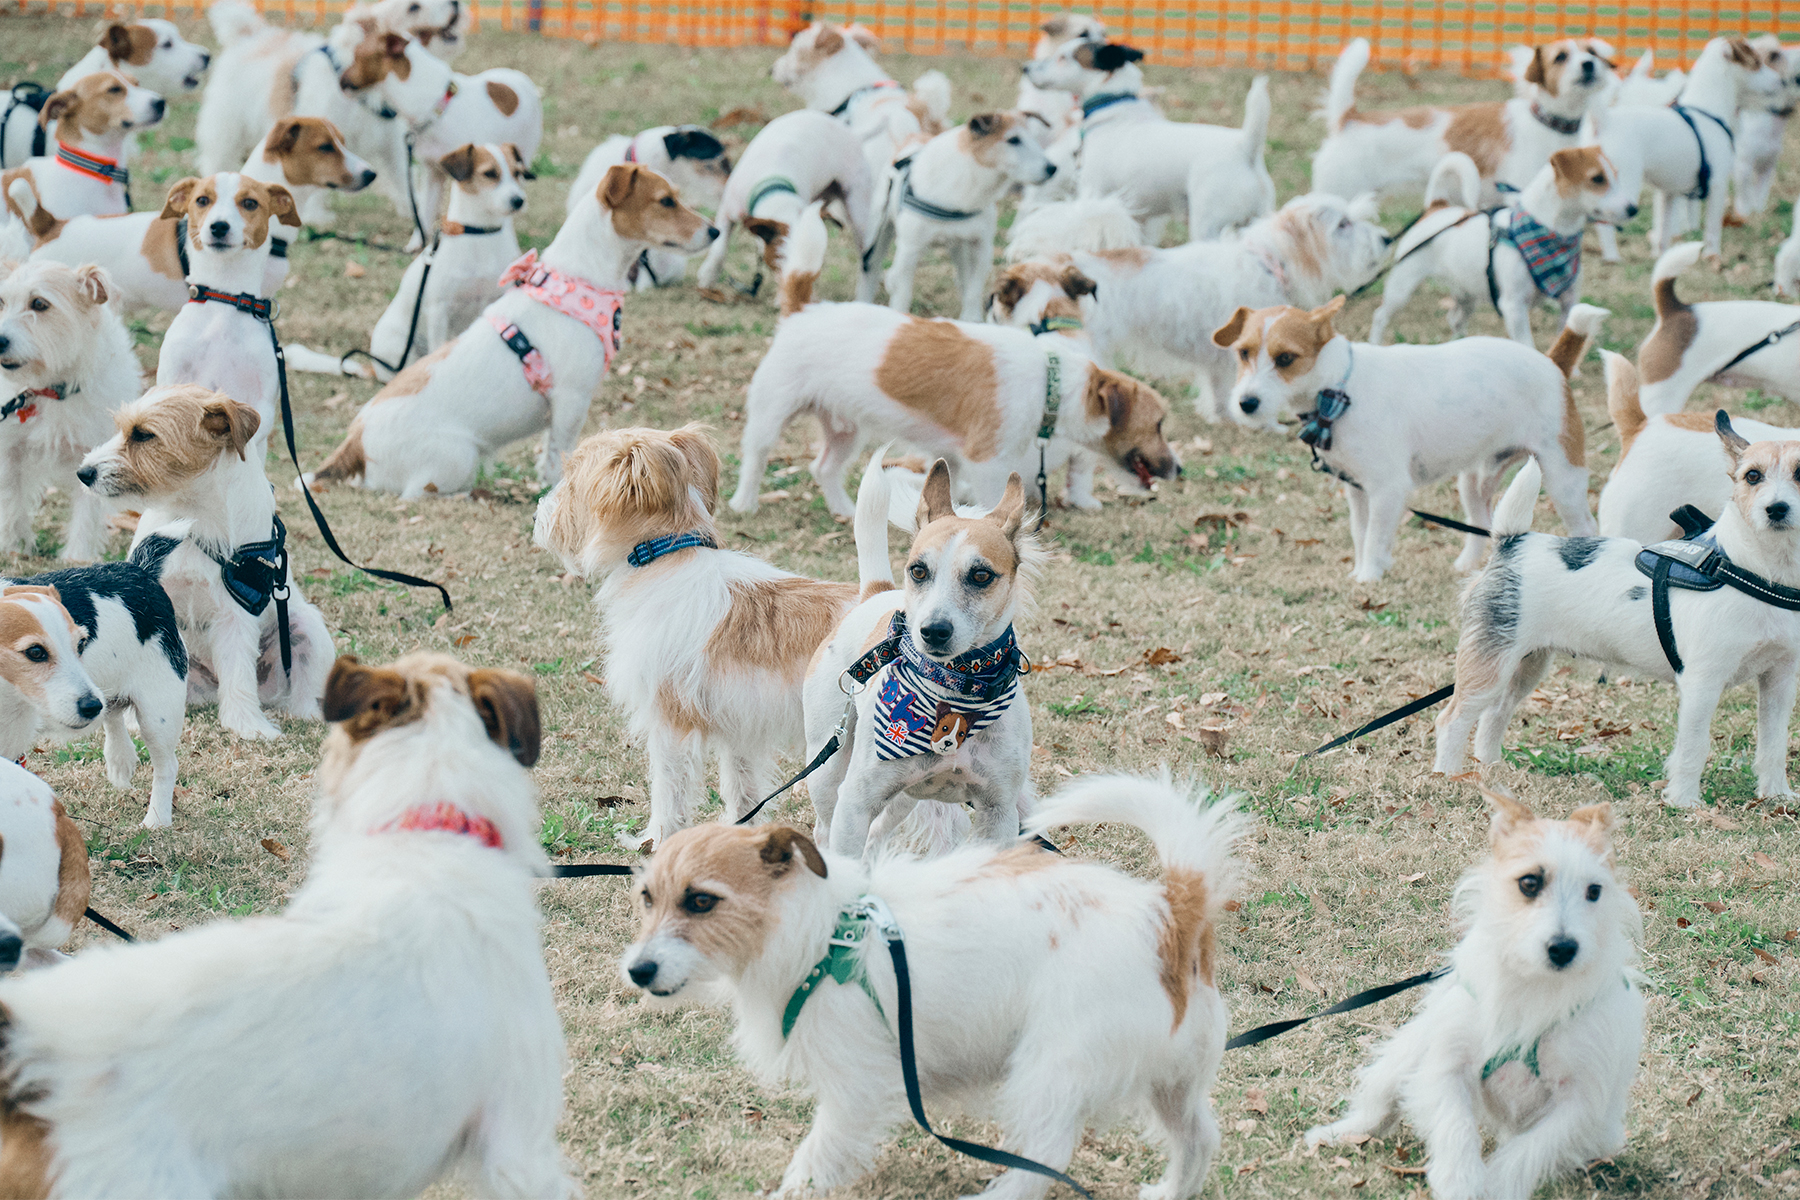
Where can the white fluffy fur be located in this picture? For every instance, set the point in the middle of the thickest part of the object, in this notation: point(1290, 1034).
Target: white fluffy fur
point(1101, 223)
point(700, 181)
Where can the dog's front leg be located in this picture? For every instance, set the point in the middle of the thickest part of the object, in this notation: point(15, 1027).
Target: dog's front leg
point(1774, 705)
point(865, 793)
point(1358, 502)
point(1564, 1138)
point(1515, 311)
point(1609, 243)
point(745, 777)
point(87, 526)
point(1699, 692)
point(907, 248)
point(973, 263)
point(1441, 1107)
point(1659, 222)
point(676, 768)
point(1715, 221)
point(568, 413)
point(1478, 510)
point(18, 504)
point(1078, 490)
point(236, 646)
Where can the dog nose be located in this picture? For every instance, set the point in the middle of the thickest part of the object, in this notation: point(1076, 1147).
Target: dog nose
point(205, 60)
point(4, 343)
point(1049, 170)
point(87, 475)
point(712, 233)
point(937, 635)
point(158, 105)
point(11, 946)
point(642, 972)
point(518, 202)
point(1387, 239)
point(219, 229)
point(88, 707)
point(1778, 512)
point(1250, 404)
point(368, 177)
point(1631, 210)
point(1562, 952)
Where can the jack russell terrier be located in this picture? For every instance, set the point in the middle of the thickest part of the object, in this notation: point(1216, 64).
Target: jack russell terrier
point(829, 67)
point(1660, 613)
point(44, 688)
point(690, 157)
point(1762, 132)
point(533, 361)
point(1734, 343)
point(1389, 419)
point(1509, 140)
point(1212, 176)
point(210, 535)
point(705, 646)
point(67, 363)
point(797, 158)
point(146, 254)
point(416, 929)
point(1518, 254)
point(86, 176)
point(1534, 1032)
point(44, 879)
point(1048, 993)
point(981, 395)
point(1057, 109)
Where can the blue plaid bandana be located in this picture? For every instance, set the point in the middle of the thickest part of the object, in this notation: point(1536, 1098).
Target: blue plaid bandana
point(931, 707)
point(1553, 260)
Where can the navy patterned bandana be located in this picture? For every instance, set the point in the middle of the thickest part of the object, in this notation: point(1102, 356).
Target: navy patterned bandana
point(926, 706)
point(1554, 260)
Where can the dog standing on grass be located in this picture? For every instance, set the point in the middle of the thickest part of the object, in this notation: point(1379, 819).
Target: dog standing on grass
point(1534, 1036)
point(1053, 994)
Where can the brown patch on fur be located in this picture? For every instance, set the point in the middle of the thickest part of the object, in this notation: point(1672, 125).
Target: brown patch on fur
point(43, 225)
point(983, 135)
point(174, 434)
point(256, 201)
point(1566, 350)
point(25, 1151)
point(504, 98)
point(1017, 861)
point(96, 104)
point(310, 151)
point(73, 882)
point(796, 291)
point(677, 714)
point(1622, 402)
point(1573, 438)
point(1416, 117)
point(635, 194)
point(1135, 413)
point(363, 701)
point(1016, 280)
point(937, 370)
point(1185, 943)
point(1307, 248)
point(1577, 167)
point(771, 233)
point(20, 629)
point(921, 112)
point(1479, 131)
point(873, 588)
point(1134, 257)
point(776, 625)
point(159, 249)
point(506, 702)
point(132, 44)
point(1698, 422)
point(1278, 331)
point(1743, 54)
point(378, 55)
point(347, 461)
point(1676, 327)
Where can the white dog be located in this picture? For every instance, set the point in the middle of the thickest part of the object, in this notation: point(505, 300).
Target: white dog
point(66, 364)
point(1762, 132)
point(1692, 344)
point(417, 928)
point(1050, 993)
point(705, 646)
point(1388, 419)
point(1517, 255)
point(1059, 109)
point(44, 880)
point(1594, 597)
point(148, 50)
point(43, 686)
point(1534, 1035)
point(86, 175)
point(533, 361)
point(829, 67)
point(690, 157)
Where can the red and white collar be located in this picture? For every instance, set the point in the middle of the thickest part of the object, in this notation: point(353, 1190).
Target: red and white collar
point(631, 151)
point(94, 166)
point(444, 817)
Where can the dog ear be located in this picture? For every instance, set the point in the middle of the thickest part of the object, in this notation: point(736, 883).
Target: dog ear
point(987, 124)
point(394, 45)
point(1009, 290)
point(863, 36)
point(281, 202)
point(175, 205)
point(617, 185)
point(1743, 54)
point(1595, 823)
point(1233, 329)
point(226, 420)
point(1321, 317)
point(935, 500)
point(1057, 26)
point(1113, 55)
point(1534, 70)
point(116, 40)
point(766, 229)
point(829, 41)
point(1509, 815)
point(284, 135)
point(691, 141)
point(1075, 285)
point(783, 843)
point(1009, 514)
point(507, 702)
point(58, 106)
point(515, 162)
point(459, 164)
point(366, 700)
point(1735, 445)
point(92, 283)
point(695, 443)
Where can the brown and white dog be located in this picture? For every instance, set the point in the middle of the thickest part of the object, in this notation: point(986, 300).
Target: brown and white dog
point(150, 50)
point(43, 685)
point(706, 647)
point(1050, 993)
point(830, 67)
point(85, 174)
point(1510, 140)
point(1691, 344)
point(44, 880)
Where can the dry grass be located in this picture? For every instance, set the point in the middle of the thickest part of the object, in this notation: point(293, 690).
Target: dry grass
point(1357, 852)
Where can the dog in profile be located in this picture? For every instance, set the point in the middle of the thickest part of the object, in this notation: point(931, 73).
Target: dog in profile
point(398, 1013)
point(1534, 1034)
point(1050, 993)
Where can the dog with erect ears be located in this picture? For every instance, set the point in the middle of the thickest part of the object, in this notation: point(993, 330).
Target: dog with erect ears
point(1662, 612)
point(1533, 1034)
point(1051, 994)
point(392, 1026)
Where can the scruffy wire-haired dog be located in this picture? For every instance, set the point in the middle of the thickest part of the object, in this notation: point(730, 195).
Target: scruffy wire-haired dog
point(1062, 993)
point(1586, 596)
point(1534, 1035)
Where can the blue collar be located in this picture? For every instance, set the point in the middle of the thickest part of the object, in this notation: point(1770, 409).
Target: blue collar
point(980, 674)
point(1094, 104)
point(645, 553)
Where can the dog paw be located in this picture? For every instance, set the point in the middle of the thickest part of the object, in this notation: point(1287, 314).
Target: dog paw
point(251, 727)
point(156, 820)
point(1674, 799)
point(642, 842)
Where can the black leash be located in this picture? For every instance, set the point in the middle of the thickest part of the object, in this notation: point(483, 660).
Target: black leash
point(1363, 999)
point(1764, 344)
point(1412, 250)
point(322, 235)
point(412, 328)
point(107, 925)
point(1386, 719)
point(1447, 523)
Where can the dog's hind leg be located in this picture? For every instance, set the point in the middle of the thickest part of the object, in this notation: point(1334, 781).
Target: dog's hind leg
point(1491, 730)
point(839, 448)
point(1040, 1115)
point(745, 776)
point(1381, 527)
point(86, 530)
point(1566, 484)
point(769, 405)
point(1774, 703)
point(1560, 1141)
point(1183, 1114)
point(676, 775)
point(1476, 491)
point(853, 1114)
point(1358, 502)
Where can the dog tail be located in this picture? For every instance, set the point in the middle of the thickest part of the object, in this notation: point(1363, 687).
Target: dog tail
point(932, 89)
point(802, 258)
point(1513, 516)
point(1459, 169)
point(35, 222)
point(1675, 260)
point(1256, 120)
point(1622, 399)
point(873, 569)
point(233, 22)
point(346, 463)
point(1340, 97)
point(1195, 835)
point(1571, 344)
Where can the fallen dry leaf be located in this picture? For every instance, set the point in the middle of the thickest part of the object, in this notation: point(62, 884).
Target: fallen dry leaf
point(1711, 906)
point(593, 679)
point(1256, 1101)
point(464, 639)
point(1213, 739)
point(1717, 821)
point(354, 270)
point(276, 848)
point(1176, 719)
point(1764, 861)
point(1764, 955)
point(1161, 656)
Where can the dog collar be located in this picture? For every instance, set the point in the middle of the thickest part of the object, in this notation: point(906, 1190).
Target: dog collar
point(94, 166)
point(1329, 405)
point(1568, 127)
point(1052, 385)
point(925, 208)
point(631, 151)
point(1054, 325)
point(768, 186)
point(257, 306)
point(925, 706)
point(1104, 100)
point(458, 229)
point(1529, 1054)
point(24, 405)
point(444, 817)
point(600, 309)
point(443, 101)
point(385, 112)
point(645, 553)
point(842, 962)
point(278, 248)
point(843, 108)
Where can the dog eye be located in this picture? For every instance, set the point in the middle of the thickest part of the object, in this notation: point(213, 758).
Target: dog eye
point(1284, 360)
point(981, 577)
point(919, 572)
point(1562, 56)
point(1244, 354)
point(142, 435)
point(201, 201)
point(37, 654)
point(700, 902)
point(668, 202)
point(1600, 179)
point(1753, 476)
point(328, 148)
point(1593, 892)
point(646, 899)
point(1531, 885)
point(39, 304)
point(248, 204)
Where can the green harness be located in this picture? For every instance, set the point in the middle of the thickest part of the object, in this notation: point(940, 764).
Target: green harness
point(1526, 1054)
point(841, 962)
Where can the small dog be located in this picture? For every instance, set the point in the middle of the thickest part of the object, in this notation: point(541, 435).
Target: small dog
point(466, 259)
point(441, 26)
point(66, 365)
point(132, 650)
point(946, 192)
point(1058, 109)
point(86, 175)
point(151, 51)
point(531, 364)
point(1104, 223)
point(1388, 419)
point(1585, 596)
point(829, 67)
point(705, 647)
point(1534, 255)
point(1690, 344)
point(1212, 176)
point(1535, 1034)
point(416, 929)
point(690, 157)
point(1762, 132)
point(43, 686)
point(1509, 140)
point(44, 880)
point(938, 715)
point(210, 535)
point(1115, 975)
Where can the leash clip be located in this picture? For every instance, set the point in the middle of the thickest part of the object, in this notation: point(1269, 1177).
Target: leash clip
point(874, 910)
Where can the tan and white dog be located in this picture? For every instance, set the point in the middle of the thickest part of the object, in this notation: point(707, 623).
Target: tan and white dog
point(85, 175)
point(1394, 151)
point(690, 157)
point(416, 928)
point(43, 685)
point(150, 50)
point(1691, 344)
point(1408, 416)
point(1535, 1032)
point(706, 647)
point(66, 365)
point(1057, 109)
point(1049, 993)
point(44, 879)
point(525, 367)
point(1762, 132)
point(831, 69)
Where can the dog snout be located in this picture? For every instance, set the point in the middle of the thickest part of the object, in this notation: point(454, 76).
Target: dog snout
point(89, 707)
point(1049, 170)
point(87, 475)
point(1631, 210)
point(937, 634)
point(642, 972)
point(712, 233)
point(11, 946)
point(1249, 404)
point(1777, 512)
point(1562, 952)
point(220, 229)
point(367, 177)
point(518, 202)
point(157, 106)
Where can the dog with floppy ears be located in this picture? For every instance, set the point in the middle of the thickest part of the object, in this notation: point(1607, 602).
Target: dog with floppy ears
point(417, 929)
point(531, 363)
point(1534, 1033)
point(1052, 994)
point(44, 880)
point(86, 174)
point(705, 647)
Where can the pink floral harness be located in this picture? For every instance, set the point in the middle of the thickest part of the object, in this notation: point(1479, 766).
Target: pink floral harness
point(600, 309)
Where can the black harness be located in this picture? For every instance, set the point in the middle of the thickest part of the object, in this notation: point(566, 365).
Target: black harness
point(1695, 564)
point(1762, 344)
point(26, 401)
point(25, 95)
point(412, 326)
point(843, 108)
point(925, 208)
point(384, 112)
point(253, 574)
point(1702, 180)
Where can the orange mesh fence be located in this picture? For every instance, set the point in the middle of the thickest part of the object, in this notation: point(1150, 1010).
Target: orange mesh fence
point(1470, 36)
